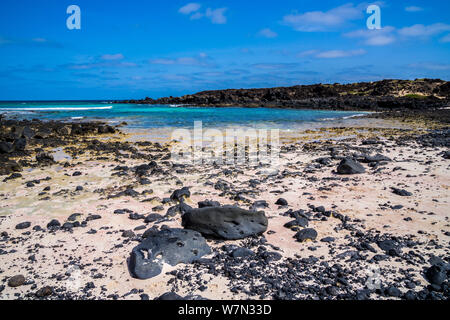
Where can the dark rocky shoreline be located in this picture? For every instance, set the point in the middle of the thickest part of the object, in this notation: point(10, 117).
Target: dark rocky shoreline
point(23, 139)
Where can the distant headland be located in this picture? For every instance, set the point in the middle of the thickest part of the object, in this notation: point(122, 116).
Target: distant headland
point(385, 95)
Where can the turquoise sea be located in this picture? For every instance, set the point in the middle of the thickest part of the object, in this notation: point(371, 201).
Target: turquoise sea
point(157, 116)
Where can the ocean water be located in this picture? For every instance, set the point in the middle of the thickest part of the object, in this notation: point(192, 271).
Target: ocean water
point(159, 116)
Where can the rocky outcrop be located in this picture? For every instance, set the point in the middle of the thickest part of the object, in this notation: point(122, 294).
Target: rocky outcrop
point(229, 223)
point(24, 138)
point(417, 94)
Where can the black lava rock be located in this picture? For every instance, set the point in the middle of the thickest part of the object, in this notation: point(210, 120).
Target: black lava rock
point(23, 225)
point(281, 202)
point(298, 222)
point(170, 296)
point(350, 166)
point(306, 234)
point(242, 253)
point(401, 192)
point(230, 223)
point(180, 195)
point(53, 224)
point(171, 246)
point(16, 281)
point(436, 275)
point(43, 157)
point(44, 292)
point(153, 218)
point(208, 203)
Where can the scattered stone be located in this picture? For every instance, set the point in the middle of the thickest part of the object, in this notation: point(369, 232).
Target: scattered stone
point(391, 247)
point(128, 234)
point(281, 202)
point(23, 225)
point(376, 158)
point(153, 217)
point(53, 224)
point(401, 192)
point(74, 217)
point(242, 253)
point(93, 217)
point(44, 292)
point(298, 222)
point(260, 204)
point(68, 226)
point(180, 195)
point(305, 235)
point(12, 177)
point(179, 209)
point(436, 275)
point(16, 281)
point(350, 166)
point(45, 158)
point(328, 239)
point(393, 292)
point(170, 296)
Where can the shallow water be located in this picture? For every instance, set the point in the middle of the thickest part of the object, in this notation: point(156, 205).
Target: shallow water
point(158, 116)
point(60, 155)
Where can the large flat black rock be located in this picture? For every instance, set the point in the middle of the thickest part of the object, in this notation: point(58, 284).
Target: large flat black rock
point(229, 223)
point(171, 246)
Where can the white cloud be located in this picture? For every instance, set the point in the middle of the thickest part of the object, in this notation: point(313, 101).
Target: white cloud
point(420, 30)
point(201, 60)
point(190, 8)
point(380, 40)
point(307, 53)
point(217, 15)
point(379, 37)
point(39, 40)
point(332, 54)
point(163, 61)
point(430, 66)
point(340, 54)
point(388, 35)
point(112, 57)
point(413, 9)
point(104, 61)
point(323, 21)
point(267, 33)
point(197, 15)
point(274, 66)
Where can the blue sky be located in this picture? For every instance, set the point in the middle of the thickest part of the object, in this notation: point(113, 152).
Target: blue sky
point(137, 48)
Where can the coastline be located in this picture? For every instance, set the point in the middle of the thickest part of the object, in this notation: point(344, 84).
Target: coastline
point(385, 95)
